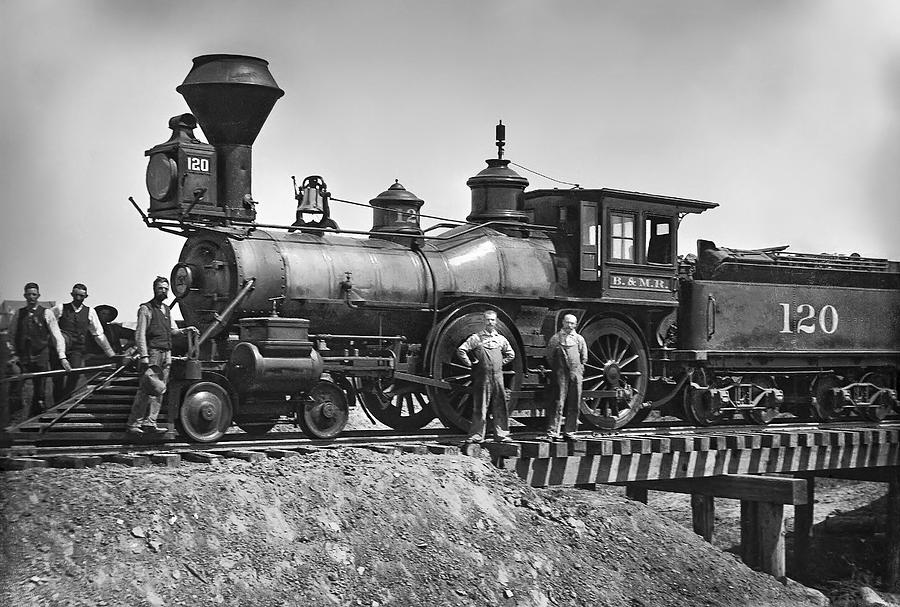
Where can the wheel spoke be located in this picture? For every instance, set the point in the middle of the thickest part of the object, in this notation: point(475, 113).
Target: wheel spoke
point(619, 353)
point(457, 377)
point(625, 363)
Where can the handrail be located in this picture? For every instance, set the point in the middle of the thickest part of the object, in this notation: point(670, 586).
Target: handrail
point(159, 224)
point(83, 393)
point(55, 372)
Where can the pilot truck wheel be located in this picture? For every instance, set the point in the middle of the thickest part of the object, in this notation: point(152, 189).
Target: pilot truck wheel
point(205, 412)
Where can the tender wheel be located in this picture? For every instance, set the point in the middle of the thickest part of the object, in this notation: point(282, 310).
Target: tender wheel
point(882, 407)
point(205, 412)
point(454, 407)
point(255, 428)
point(325, 413)
point(397, 404)
point(825, 406)
point(700, 407)
point(763, 416)
point(617, 360)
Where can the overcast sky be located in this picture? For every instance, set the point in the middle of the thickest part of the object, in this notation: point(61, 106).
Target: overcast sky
point(786, 113)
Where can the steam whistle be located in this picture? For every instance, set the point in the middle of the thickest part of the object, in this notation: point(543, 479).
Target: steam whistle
point(501, 138)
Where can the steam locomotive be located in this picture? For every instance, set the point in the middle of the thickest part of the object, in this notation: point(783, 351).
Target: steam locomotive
point(304, 321)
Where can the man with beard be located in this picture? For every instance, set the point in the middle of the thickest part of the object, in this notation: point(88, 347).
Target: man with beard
point(153, 336)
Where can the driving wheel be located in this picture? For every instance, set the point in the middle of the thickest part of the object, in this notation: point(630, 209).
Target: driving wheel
point(617, 360)
point(454, 406)
point(397, 404)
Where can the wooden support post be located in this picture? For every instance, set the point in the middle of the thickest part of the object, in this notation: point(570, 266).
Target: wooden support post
point(892, 558)
point(749, 538)
point(703, 514)
point(762, 537)
point(803, 529)
point(638, 494)
point(771, 538)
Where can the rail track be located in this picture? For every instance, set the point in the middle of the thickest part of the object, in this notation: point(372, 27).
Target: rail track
point(665, 435)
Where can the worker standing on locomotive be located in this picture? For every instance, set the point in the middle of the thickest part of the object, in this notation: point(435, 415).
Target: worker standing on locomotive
point(486, 352)
point(153, 336)
point(29, 341)
point(76, 321)
point(567, 354)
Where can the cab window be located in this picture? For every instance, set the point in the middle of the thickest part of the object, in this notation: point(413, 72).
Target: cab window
point(659, 240)
point(621, 236)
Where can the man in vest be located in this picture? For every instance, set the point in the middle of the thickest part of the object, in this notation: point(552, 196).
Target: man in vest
point(76, 322)
point(30, 342)
point(153, 336)
point(567, 354)
point(486, 352)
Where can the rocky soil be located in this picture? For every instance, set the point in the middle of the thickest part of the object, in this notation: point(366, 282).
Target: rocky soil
point(351, 527)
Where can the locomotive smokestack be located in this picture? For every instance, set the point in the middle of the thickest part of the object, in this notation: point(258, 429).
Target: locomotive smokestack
point(231, 96)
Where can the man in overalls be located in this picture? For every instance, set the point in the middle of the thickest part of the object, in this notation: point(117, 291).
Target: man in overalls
point(486, 352)
point(567, 354)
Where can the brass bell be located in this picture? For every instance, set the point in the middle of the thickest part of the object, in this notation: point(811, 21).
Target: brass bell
point(312, 195)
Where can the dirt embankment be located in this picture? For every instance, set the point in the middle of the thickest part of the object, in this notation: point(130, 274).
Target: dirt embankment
point(350, 527)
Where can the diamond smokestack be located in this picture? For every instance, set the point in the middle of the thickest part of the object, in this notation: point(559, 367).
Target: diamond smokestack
point(231, 96)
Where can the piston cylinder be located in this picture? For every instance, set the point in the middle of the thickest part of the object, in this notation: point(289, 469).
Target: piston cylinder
point(250, 372)
point(274, 355)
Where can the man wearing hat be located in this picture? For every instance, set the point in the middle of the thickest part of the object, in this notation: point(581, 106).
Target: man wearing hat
point(567, 354)
point(113, 332)
point(30, 334)
point(76, 322)
point(153, 335)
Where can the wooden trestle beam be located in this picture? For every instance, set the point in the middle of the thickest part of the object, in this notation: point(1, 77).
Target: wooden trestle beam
point(732, 465)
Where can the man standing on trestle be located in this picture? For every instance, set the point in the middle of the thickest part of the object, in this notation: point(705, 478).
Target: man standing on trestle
point(567, 354)
point(486, 352)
